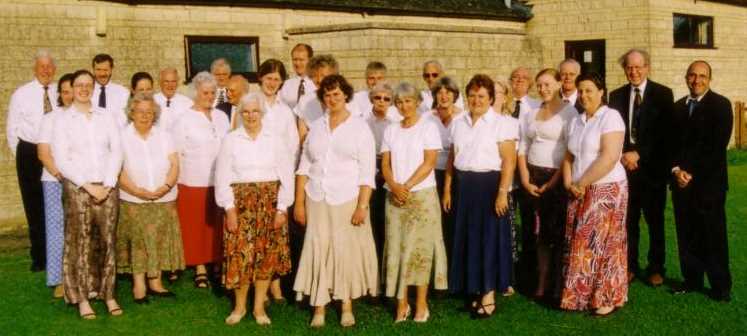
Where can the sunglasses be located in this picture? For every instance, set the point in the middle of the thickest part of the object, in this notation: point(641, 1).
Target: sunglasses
point(386, 99)
point(430, 75)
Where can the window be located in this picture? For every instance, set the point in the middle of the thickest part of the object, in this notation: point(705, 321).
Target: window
point(241, 52)
point(693, 31)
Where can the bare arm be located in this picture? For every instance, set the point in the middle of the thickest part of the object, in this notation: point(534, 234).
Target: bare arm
point(507, 151)
point(425, 168)
point(45, 156)
point(448, 177)
point(611, 145)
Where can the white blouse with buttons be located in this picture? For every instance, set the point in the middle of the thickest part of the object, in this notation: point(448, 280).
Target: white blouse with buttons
point(197, 140)
point(585, 142)
point(407, 148)
point(244, 159)
point(146, 162)
point(46, 133)
point(338, 162)
point(476, 146)
point(445, 132)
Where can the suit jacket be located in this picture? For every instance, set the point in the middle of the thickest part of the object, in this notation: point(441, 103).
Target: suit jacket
point(654, 126)
point(226, 107)
point(701, 141)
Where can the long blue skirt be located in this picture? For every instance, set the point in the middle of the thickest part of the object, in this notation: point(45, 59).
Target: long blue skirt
point(481, 255)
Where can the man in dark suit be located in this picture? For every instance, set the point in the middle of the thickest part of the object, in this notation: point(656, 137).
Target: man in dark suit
point(703, 120)
point(646, 107)
point(569, 70)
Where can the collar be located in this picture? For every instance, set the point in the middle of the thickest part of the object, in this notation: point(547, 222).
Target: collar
point(241, 131)
point(488, 116)
point(572, 96)
point(97, 85)
point(641, 87)
point(598, 114)
point(39, 85)
point(698, 98)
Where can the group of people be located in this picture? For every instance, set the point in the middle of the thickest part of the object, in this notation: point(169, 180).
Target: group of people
point(385, 190)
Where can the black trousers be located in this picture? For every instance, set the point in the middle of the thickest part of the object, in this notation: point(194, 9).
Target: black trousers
point(29, 170)
point(526, 274)
point(700, 218)
point(378, 220)
point(648, 196)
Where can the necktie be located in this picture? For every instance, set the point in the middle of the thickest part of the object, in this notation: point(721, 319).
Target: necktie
point(565, 100)
point(691, 106)
point(47, 104)
point(635, 116)
point(168, 102)
point(517, 109)
point(222, 96)
point(301, 90)
point(102, 97)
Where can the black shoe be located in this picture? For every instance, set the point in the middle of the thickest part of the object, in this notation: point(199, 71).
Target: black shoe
point(164, 294)
point(37, 268)
point(720, 296)
point(685, 289)
point(142, 300)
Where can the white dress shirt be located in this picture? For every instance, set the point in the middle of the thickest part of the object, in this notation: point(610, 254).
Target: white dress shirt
point(407, 148)
point(309, 109)
point(220, 91)
point(280, 120)
point(46, 134)
point(571, 99)
point(146, 162)
point(426, 104)
point(289, 92)
point(25, 112)
point(337, 162)
point(379, 125)
point(585, 142)
point(543, 142)
point(444, 132)
point(245, 160)
point(177, 105)
point(631, 102)
point(476, 147)
point(117, 98)
point(527, 104)
point(197, 140)
point(87, 150)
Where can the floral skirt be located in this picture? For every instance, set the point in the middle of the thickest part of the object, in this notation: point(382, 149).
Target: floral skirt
point(257, 250)
point(414, 250)
point(148, 238)
point(595, 260)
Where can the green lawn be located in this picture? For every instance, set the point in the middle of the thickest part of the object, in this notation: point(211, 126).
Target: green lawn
point(27, 308)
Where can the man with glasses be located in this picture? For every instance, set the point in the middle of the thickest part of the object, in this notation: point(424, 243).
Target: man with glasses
point(432, 71)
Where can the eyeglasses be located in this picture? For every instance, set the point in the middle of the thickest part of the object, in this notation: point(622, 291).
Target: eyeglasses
point(430, 75)
point(386, 99)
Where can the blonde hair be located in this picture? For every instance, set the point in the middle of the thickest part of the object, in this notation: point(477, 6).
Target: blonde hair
point(507, 107)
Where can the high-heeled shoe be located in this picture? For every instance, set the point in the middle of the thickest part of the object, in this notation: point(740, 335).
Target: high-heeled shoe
point(142, 300)
point(403, 318)
point(424, 318)
point(234, 318)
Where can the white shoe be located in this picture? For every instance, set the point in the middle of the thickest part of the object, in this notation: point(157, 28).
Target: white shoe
point(347, 319)
point(262, 320)
point(317, 321)
point(403, 318)
point(234, 318)
point(424, 318)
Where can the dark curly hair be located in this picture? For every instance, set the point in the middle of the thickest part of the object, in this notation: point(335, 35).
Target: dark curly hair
point(332, 82)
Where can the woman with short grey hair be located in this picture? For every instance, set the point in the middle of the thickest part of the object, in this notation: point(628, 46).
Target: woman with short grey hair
point(414, 251)
point(149, 239)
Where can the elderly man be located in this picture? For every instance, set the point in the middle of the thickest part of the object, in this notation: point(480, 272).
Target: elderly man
point(237, 87)
point(432, 71)
point(108, 95)
point(171, 102)
point(28, 104)
point(646, 108)
point(569, 69)
point(221, 70)
point(296, 87)
point(521, 80)
point(703, 122)
point(375, 74)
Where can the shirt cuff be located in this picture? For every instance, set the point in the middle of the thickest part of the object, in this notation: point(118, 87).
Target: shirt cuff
point(675, 169)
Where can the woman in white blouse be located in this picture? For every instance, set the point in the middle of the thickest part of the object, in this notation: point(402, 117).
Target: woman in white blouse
point(333, 187)
point(482, 160)
point(149, 240)
point(414, 251)
point(197, 137)
point(281, 121)
point(254, 185)
point(541, 151)
point(445, 112)
point(88, 153)
point(54, 222)
point(595, 236)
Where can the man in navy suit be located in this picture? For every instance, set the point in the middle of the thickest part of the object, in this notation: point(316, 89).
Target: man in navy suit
point(646, 108)
point(703, 120)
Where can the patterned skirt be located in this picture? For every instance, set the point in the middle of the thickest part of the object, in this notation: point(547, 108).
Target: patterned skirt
point(54, 222)
point(595, 255)
point(88, 262)
point(148, 238)
point(414, 250)
point(257, 250)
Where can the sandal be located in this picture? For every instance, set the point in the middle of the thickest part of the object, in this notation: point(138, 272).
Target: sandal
point(481, 311)
point(116, 311)
point(201, 280)
point(172, 277)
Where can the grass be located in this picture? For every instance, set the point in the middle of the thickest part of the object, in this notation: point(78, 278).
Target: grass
point(27, 308)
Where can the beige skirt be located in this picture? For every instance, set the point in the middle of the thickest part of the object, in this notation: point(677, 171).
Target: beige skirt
point(338, 260)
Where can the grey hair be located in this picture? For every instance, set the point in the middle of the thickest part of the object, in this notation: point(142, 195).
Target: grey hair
point(319, 61)
point(434, 62)
point(143, 97)
point(248, 99)
point(381, 87)
point(623, 60)
point(445, 83)
point(572, 62)
point(168, 70)
point(43, 53)
point(203, 78)
point(404, 90)
point(220, 62)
